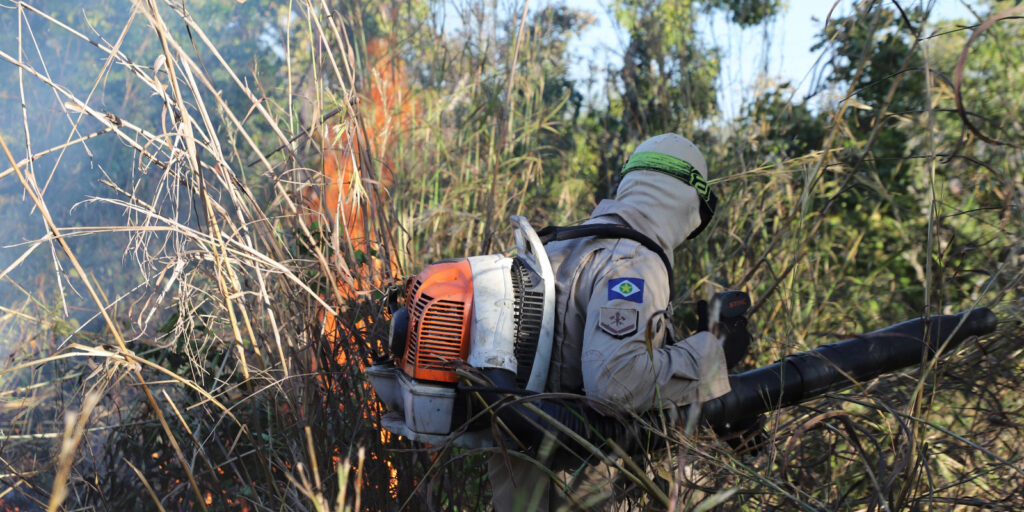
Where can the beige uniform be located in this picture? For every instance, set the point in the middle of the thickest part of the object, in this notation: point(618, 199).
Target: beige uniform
point(609, 292)
point(610, 361)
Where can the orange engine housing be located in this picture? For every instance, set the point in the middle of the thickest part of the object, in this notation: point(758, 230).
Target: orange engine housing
point(440, 302)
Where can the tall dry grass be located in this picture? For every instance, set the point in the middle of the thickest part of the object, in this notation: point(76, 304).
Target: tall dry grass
point(214, 384)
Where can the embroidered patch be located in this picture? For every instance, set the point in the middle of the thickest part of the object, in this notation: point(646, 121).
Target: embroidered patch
point(628, 288)
point(618, 322)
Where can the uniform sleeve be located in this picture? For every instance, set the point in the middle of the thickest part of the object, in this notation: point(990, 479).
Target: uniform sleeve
point(626, 309)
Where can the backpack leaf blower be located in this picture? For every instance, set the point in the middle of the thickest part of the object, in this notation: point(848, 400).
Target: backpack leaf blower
point(496, 314)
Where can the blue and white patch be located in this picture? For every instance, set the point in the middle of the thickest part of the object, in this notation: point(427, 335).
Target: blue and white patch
point(626, 288)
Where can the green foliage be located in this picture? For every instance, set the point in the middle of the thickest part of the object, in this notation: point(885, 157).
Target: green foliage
point(747, 13)
point(775, 129)
point(865, 205)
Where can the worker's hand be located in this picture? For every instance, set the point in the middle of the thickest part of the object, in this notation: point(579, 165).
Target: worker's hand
point(734, 332)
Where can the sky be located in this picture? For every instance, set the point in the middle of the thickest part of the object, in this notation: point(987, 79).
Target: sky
point(783, 47)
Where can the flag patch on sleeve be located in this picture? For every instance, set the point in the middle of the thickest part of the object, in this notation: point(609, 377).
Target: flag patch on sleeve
point(626, 288)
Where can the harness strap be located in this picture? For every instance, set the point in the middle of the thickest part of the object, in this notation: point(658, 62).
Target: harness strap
point(558, 233)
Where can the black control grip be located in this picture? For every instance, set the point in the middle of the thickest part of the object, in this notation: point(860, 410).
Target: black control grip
point(732, 304)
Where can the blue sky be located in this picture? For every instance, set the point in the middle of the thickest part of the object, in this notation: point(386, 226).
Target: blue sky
point(783, 47)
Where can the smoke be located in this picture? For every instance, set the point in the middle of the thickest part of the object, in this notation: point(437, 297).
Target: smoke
point(54, 62)
point(37, 127)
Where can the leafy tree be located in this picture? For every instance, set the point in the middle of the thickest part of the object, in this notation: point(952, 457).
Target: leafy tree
point(667, 81)
point(773, 127)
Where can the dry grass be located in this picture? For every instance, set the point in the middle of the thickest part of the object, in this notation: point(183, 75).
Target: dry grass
point(212, 384)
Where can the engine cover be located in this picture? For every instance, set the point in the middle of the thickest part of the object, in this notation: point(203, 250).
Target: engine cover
point(490, 312)
point(440, 301)
point(493, 327)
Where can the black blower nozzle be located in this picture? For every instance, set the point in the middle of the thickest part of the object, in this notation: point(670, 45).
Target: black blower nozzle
point(794, 379)
point(800, 377)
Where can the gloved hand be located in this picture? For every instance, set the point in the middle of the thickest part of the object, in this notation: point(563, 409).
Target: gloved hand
point(734, 331)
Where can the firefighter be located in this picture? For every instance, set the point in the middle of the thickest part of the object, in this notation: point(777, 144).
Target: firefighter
point(612, 295)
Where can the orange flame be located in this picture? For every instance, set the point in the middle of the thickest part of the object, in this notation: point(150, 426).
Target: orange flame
point(358, 169)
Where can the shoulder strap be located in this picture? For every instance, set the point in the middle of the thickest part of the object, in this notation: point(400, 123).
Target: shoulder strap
point(557, 233)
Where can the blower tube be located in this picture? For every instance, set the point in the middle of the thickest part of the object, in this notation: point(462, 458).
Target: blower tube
point(794, 379)
point(800, 377)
